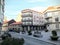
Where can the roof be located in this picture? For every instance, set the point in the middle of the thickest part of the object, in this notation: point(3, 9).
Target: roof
point(26, 10)
point(15, 23)
point(52, 8)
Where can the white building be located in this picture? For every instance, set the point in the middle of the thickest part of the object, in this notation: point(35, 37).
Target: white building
point(32, 20)
point(1, 13)
point(52, 16)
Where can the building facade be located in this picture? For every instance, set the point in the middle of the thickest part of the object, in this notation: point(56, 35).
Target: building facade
point(5, 26)
point(15, 26)
point(1, 13)
point(32, 20)
point(52, 16)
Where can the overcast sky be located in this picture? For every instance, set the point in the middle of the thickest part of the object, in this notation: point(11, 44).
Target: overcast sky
point(14, 7)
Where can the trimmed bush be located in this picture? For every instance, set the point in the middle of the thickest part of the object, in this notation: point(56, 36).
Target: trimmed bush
point(12, 41)
point(54, 33)
point(29, 32)
point(46, 30)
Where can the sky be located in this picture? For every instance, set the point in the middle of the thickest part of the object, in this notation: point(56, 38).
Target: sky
point(14, 7)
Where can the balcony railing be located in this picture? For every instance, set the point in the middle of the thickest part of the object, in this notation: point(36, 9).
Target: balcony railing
point(47, 18)
point(26, 20)
point(52, 22)
point(26, 15)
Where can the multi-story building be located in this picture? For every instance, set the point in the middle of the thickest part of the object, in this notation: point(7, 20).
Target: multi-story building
point(52, 16)
point(1, 13)
point(32, 20)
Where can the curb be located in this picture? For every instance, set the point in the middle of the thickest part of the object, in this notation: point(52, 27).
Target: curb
point(41, 40)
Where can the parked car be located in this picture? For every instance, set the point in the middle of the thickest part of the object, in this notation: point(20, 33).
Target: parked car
point(37, 34)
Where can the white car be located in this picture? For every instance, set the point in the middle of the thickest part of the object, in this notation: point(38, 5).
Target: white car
point(37, 34)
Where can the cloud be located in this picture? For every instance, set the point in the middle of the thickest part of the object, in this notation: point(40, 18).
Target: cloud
point(38, 8)
point(32, 1)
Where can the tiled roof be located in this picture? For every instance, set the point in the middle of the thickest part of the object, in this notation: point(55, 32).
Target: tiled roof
point(15, 23)
point(52, 8)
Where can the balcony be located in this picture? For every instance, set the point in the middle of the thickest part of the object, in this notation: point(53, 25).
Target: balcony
point(26, 20)
point(48, 15)
point(47, 18)
point(27, 15)
point(48, 21)
point(27, 23)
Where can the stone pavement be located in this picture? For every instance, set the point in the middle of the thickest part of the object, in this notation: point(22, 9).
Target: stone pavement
point(45, 38)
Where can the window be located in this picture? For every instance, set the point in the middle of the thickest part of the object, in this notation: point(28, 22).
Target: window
point(56, 13)
point(24, 23)
point(28, 23)
point(49, 14)
point(19, 25)
point(56, 19)
point(57, 26)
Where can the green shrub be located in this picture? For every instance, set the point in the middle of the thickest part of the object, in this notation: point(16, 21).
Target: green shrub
point(12, 41)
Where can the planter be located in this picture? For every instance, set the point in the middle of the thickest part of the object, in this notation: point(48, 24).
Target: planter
point(54, 38)
point(46, 30)
point(29, 33)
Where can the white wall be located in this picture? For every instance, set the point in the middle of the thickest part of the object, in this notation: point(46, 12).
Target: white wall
point(38, 19)
point(54, 15)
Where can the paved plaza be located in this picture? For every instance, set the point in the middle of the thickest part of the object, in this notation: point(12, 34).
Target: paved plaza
point(30, 40)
